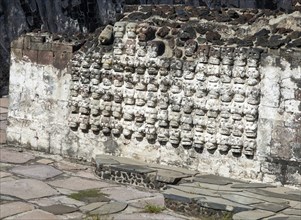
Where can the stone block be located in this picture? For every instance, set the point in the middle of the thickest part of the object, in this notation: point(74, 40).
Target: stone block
point(32, 55)
point(18, 53)
point(61, 59)
point(40, 46)
point(45, 57)
point(17, 43)
point(62, 47)
point(26, 42)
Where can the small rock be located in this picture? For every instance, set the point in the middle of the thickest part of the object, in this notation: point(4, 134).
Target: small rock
point(178, 53)
point(263, 32)
point(233, 14)
point(212, 36)
point(163, 31)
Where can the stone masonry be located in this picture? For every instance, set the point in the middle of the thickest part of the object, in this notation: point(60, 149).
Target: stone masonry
point(191, 88)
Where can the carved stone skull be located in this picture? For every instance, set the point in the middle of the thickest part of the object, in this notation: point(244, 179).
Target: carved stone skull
point(119, 29)
point(131, 30)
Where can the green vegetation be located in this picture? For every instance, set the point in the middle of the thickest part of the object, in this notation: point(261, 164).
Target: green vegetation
point(150, 208)
point(83, 194)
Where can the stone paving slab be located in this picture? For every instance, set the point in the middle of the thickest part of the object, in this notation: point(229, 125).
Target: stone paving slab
point(109, 208)
point(8, 179)
point(92, 206)
point(41, 172)
point(4, 198)
point(10, 156)
point(220, 188)
point(296, 212)
point(180, 196)
point(146, 216)
point(275, 195)
point(132, 168)
point(271, 207)
point(36, 214)
point(73, 216)
point(282, 217)
point(195, 190)
point(222, 204)
point(157, 200)
point(260, 197)
point(108, 160)
point(170, 176)
point(211, 181)
point(176, 169)
point(218, 178)
point(4, 174)
point(240, 199)
point(45, 161)
point(58, 209)
point(69, 166)
point(57, 200)
point(125, 193)
point(14, 208)
point(26, 189)
point(252, 215)
point(295, 204)
point(251, 185)
point(76, 183)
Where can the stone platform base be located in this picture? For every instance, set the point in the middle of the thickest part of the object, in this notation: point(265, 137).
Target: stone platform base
point(196, 194)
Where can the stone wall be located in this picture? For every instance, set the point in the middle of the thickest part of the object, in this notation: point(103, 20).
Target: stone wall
point(175, 91)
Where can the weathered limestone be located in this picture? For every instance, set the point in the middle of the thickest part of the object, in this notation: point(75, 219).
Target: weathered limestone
point(231, 110)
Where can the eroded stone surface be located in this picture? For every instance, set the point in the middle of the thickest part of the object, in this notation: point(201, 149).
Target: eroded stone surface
point(26, 189)
point(296, 212)
point(222, 204)
point(36, 214)
point(146, 216)
point(41, 172)
point(251, 185)
point(272, 207)
point(125, 193)
point(109, 208)
point(240, 199)
point(252, 215)
point(195, 190)
point(76, 183)
point(10, 156)
point(14, 208)
point(91, 206)
point(57, 200)
point(59, 209)
point(181, 196)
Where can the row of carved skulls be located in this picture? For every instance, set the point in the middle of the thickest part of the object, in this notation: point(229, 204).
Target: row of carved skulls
point(163, 118)
point(210, 138)
point(165, 85)
point(204, 73)
point(125, 35)
point(211, 105)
